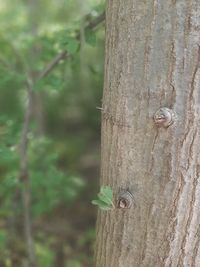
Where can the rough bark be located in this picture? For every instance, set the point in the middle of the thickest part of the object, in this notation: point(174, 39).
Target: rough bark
point(152, 61)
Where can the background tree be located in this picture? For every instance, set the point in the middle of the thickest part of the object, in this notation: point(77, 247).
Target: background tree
point(152, 61)
point(49, 130)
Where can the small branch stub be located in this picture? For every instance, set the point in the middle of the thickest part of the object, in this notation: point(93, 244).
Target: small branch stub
point(125, 200)
point(164, 117)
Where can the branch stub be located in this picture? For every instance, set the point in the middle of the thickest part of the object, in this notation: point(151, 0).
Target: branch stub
point(164, 117)
point(125, 200)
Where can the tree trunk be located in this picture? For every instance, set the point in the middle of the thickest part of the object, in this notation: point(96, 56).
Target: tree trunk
point(152, 61)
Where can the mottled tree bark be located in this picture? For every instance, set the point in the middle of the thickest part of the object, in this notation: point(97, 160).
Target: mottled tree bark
point(152, 61)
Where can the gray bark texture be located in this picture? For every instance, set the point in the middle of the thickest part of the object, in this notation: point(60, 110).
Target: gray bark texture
point(152, 60)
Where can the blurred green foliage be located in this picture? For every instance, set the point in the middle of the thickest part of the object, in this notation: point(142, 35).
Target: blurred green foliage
point(64, 134)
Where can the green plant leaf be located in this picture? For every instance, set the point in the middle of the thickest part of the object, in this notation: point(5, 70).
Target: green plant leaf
point(106, 194)
point(90, 37)
point(72, 45)
point(105, 198)
point(102, 205)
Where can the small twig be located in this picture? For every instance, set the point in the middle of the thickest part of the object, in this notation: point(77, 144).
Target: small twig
point(100, 108)
point(52, 64)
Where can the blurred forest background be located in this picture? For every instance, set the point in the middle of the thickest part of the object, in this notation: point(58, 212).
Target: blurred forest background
point(51, 76)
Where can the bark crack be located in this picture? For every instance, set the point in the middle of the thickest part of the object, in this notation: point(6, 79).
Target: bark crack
point(194, 75)
point(152, 150)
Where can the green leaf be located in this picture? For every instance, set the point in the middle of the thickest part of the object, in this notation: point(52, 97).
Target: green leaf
point(100, 7)
point(90, 37)
point(105, 198)
point(72, 45)
point(102, 205)
point(106, 194)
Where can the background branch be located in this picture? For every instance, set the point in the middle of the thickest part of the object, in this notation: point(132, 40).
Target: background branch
point(24, 178)
point(64, 54)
